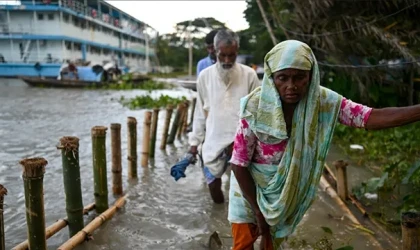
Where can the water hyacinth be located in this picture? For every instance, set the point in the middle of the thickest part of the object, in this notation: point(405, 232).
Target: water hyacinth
point(147, 102)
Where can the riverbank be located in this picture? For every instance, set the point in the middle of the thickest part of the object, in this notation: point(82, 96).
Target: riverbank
point(392, 158)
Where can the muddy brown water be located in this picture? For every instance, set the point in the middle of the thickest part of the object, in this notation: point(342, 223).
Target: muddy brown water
point(160, 213)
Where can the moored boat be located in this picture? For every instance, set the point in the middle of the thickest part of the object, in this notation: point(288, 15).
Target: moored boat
point(56, 83)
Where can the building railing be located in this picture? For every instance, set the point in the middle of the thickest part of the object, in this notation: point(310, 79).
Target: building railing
point(32, 29)
point(33, 57)
point(127, 27)
point(62, 57)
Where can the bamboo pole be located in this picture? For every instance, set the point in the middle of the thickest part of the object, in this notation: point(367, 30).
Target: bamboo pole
point(132, 147)
point(69, 146)
point(33, 176)
point(93, 225)
point(267, 23)
point(185, 123)
point(54, 228)
point(194, 102)
point(99, 168)
point(146, 139)
point(351, 197)
point(410, 225)
point(169, 111)
point(184, 112)
point(277, 19)
point(342, 188)
point(364, 213)
point(331, 192)
point(411, 88)
point(175, 124)
point(326, 187)
point(3, 192)
point(117, 187)
point(155, 119)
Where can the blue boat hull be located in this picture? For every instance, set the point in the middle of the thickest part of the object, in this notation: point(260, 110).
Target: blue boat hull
point(13, 70)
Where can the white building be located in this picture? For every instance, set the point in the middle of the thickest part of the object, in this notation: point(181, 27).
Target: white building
point(50, 32)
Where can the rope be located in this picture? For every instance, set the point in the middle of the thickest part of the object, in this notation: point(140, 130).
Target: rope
point(366, 66)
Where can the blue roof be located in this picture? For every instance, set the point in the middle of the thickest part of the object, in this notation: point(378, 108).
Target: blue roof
point(85, 73)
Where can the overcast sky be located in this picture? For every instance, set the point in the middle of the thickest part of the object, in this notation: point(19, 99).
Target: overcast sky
point(163, 15)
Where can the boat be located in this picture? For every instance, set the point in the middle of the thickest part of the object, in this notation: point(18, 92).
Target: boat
point(34, 81)
point(37, 37)
point(83, 75)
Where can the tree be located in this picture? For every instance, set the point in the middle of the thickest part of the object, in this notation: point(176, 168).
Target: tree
point(172, 49)
point(358, 33)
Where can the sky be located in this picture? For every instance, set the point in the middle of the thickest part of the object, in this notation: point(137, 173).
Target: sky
point(163, 15)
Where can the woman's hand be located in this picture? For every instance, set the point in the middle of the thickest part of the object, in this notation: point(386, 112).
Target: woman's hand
point(266, 242)
point(263, 227)
point(264, 231)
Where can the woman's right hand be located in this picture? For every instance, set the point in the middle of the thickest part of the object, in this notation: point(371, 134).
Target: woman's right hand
point(264, 231)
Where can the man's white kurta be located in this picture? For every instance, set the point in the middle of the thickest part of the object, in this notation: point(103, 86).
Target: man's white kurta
point(216, 114)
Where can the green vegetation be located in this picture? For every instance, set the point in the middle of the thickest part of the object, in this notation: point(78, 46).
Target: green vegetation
point(168, 75)
point(122, 85)
point(147, 85)
point(395, 154)
point(147, 102)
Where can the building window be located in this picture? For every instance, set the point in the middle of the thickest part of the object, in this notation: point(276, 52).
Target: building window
point(95, 50)
point(77, 46)
point(40, 16)
point(66, 17)
point(76, 21)
point(43, 43)
point(51, 16)
point(68, 45)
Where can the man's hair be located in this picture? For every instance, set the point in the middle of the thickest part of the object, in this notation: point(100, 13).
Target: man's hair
point(210, 37)
point(225, 36)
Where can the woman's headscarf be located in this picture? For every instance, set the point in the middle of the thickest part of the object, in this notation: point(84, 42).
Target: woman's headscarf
point(285, 191)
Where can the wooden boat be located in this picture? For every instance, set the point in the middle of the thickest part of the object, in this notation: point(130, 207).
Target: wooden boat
point(66, 83)
point(55, 83)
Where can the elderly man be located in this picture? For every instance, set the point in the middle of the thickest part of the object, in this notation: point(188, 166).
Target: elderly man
point(211, 58)
point(219, 90)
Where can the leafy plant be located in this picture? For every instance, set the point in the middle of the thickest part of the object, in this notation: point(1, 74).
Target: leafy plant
point(145, 102)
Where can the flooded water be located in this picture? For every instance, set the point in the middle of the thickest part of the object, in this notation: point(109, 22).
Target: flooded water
point(159, 214)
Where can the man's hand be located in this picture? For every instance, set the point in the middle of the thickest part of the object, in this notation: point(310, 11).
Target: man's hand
point(194, 150)
point(229, 149)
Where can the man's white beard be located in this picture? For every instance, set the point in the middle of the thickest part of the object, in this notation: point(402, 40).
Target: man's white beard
point(225, 74)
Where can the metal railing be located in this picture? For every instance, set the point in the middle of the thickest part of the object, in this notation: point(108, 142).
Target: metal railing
point(31, 28)
point(86, 11)
point(32, 57)
point(57, 56)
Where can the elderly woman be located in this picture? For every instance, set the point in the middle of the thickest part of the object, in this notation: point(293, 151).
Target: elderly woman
point(284, 134)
